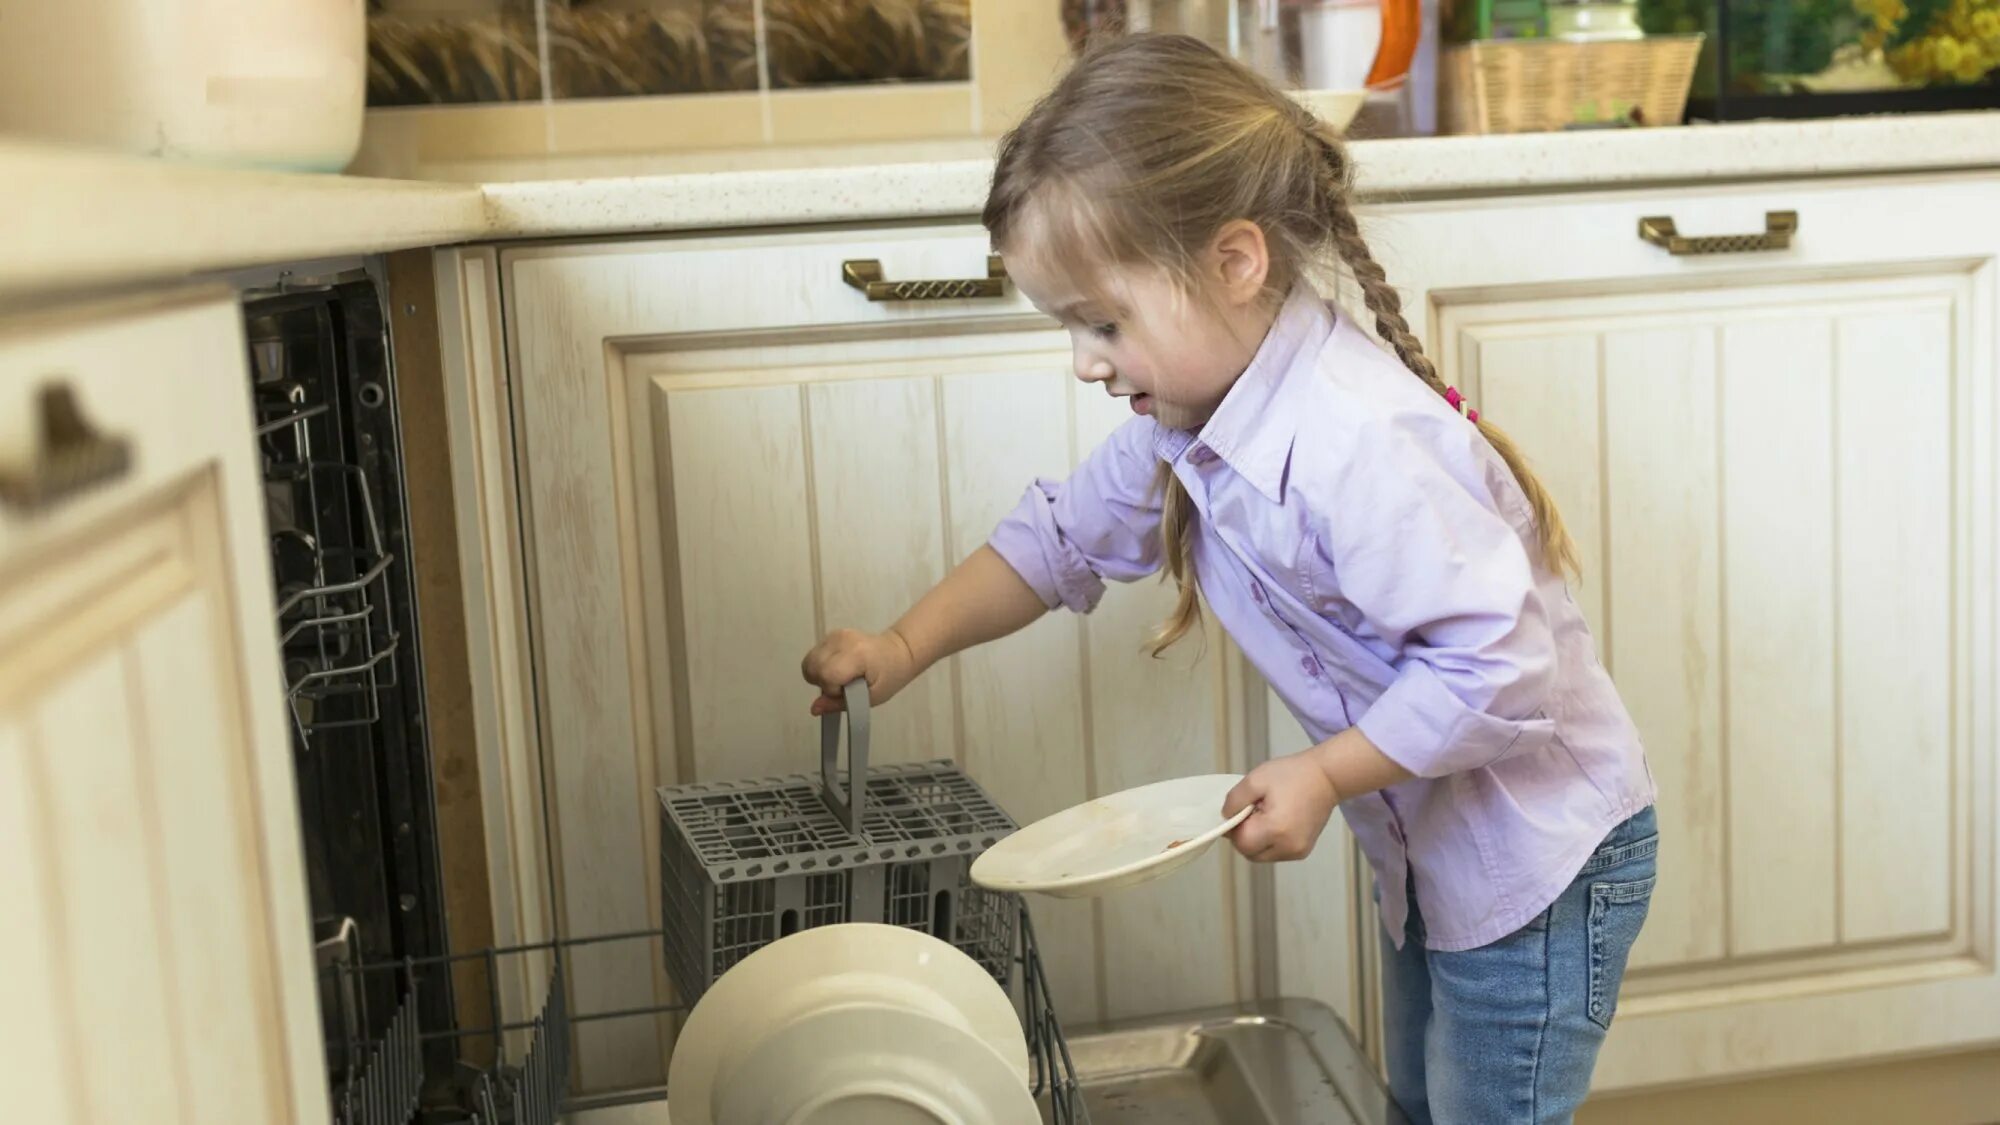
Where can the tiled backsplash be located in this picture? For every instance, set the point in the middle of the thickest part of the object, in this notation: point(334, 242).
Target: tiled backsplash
point(839, 42)
point(427, 52)
point(516, 53)
point(497, 88)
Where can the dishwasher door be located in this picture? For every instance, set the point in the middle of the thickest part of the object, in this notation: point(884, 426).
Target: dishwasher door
point(1277, 1062)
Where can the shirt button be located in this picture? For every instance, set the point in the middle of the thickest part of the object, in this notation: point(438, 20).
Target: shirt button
point(1202, 455)
point(1257, 593)
point(1310, 666)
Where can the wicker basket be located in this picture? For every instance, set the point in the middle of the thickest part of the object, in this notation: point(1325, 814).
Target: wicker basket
point(1538, 85)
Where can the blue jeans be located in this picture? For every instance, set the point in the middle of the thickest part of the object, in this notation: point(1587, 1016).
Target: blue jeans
point(1508, 1033)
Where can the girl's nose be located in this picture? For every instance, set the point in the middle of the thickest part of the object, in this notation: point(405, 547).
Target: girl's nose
point(1092, 369)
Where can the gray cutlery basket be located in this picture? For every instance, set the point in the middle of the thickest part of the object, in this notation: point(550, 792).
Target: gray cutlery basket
point(744, 863)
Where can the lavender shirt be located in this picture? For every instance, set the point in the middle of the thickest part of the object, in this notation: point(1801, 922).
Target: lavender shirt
point(1369, 553)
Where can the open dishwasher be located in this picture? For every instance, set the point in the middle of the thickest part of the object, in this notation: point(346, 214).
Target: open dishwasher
point(399, 1050)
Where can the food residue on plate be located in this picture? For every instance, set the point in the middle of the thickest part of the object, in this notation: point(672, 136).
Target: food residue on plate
point(1172, 846)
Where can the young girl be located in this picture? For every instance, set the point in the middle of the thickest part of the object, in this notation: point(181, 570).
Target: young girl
point(1383, 556)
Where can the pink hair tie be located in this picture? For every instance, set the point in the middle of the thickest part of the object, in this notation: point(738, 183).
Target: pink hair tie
point(1457, 402)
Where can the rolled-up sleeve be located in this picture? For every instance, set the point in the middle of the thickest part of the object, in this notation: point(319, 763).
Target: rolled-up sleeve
point(1065, 538)
point(1435, 570)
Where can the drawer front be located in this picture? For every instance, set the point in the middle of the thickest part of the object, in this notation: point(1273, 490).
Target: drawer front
point(761, 283)
point(1614, 242)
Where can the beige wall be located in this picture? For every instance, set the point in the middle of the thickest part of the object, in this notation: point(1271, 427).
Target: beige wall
point(1018, 49)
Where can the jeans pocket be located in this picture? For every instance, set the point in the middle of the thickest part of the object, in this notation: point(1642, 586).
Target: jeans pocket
point(1617, 910)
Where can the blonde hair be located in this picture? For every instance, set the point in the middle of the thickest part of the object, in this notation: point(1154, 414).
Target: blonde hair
point(1145, 149)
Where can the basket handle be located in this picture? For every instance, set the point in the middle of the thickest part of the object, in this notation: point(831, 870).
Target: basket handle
point(846, 805)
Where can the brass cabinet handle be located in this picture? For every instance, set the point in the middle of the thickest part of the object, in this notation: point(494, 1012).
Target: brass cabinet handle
point(71, 458)
point(865, 274)
point(1779, 226)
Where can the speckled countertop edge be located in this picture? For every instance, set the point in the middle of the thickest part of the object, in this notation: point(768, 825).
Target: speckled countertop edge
point(1386, 170)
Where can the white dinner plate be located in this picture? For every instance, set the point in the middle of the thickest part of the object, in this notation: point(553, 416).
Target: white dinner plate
point(1114, 841)
point(872, 1064)
point(829, 967)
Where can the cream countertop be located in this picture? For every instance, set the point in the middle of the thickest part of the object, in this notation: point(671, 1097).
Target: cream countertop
point(75, 221)
point(889, 182)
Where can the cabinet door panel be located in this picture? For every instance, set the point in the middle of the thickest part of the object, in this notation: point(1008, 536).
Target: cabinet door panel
point(1895, 527)
point(158, 945)
point(1661, 569)
point(1027, 690)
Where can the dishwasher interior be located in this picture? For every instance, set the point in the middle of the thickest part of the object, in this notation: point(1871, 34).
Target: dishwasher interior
point(398, 1049)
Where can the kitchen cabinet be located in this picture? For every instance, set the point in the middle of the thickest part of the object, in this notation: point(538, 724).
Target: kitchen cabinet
point(158, 955)
point(1778, 464)
point(723, 451)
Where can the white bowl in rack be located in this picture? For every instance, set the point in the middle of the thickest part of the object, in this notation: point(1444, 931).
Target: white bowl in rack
point(872, 1064)
point(879, 1016)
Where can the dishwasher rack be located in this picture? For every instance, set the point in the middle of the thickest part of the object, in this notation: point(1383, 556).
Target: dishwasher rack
point(394, 1080)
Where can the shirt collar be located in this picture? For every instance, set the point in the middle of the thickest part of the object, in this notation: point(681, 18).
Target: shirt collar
point(1253, 430)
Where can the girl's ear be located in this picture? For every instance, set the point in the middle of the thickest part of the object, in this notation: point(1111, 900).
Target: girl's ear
point(1239, 261)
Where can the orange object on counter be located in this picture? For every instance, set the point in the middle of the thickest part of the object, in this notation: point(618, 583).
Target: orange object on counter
point(1402, 24)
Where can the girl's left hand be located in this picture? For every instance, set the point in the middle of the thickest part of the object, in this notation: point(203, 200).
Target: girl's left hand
point(1294, 800)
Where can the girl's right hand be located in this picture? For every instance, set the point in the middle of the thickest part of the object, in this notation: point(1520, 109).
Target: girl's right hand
point(846, 655)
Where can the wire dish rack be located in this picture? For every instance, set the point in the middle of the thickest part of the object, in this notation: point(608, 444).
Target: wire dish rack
point(338, 638)
point(743, 864)
point(385, 1081)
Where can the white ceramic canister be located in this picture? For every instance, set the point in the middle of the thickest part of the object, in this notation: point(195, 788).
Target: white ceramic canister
point(264, 83)
point(1337, 43)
